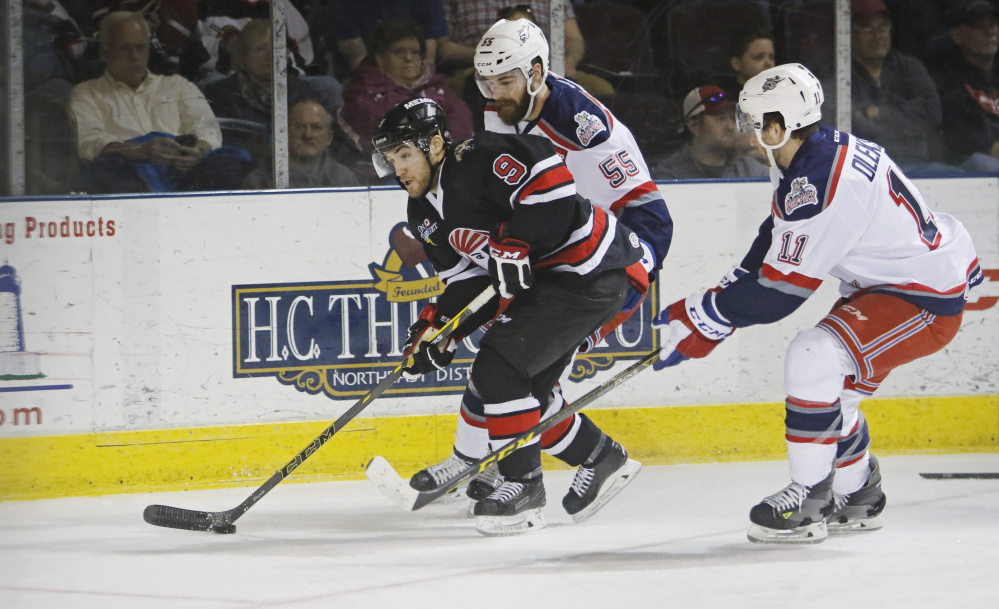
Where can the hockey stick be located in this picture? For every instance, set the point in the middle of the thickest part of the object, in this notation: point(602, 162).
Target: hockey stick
point(382, 474)
point(970, 476)
point(222, 522)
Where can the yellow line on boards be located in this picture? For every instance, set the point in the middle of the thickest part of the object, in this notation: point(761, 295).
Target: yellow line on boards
point(40, 467)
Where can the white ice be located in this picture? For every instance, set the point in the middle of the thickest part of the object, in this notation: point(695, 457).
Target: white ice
point(675, 538)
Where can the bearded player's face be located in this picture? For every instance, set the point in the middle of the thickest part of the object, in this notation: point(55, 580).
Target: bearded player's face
point(509, 91)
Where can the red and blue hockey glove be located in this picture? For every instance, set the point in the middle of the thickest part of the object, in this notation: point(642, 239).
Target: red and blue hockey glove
point(509, 266)
point(696, 328)
point(427, 355)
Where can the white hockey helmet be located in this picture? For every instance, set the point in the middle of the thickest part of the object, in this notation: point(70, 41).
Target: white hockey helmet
point(511, 45)
point(790, 90)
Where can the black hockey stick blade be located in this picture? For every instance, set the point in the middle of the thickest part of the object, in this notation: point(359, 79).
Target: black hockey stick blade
point(422, 498)
point(963, 476)
point(222, 522)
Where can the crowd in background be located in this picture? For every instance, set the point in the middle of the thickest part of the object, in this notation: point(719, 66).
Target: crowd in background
point(167, 95)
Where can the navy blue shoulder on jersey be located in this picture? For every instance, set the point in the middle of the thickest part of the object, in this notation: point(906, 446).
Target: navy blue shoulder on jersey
point(572, 117)
point(753, 261)
point(804, 190)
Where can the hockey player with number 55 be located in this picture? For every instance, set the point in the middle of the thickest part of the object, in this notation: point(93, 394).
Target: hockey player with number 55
point(841, 207)
point(503, 210)
point(511, 70)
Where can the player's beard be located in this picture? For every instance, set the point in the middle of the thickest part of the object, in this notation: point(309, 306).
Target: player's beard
point(511, 112)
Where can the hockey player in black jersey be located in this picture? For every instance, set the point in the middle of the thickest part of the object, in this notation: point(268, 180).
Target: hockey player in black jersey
point(503, 209)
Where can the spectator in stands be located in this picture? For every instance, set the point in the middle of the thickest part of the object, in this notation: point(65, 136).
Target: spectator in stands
point(468, 21)
point(310, 164)
point(142, 131)
point(397, 72)
point(219, 21)
point(894, 100)
point(709, 115)
point(968, 81)
point(351, 25)
point(174, 47)
point(245, 95)
point(751, 53)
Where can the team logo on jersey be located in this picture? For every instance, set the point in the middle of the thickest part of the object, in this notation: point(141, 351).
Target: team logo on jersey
point(472, 244)
point(426, 229)
point(771, 83)
point(802, 193)
point(589, 127)
point(462, 148)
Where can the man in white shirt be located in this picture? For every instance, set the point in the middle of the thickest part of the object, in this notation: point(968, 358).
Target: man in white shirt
point(138, 130)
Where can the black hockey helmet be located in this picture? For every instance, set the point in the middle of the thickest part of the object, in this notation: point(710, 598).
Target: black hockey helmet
point(415, 121)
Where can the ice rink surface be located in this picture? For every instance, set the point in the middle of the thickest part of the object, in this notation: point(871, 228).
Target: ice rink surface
point(675, 538)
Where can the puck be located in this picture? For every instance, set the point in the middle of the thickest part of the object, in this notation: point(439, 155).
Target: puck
point(224, 529)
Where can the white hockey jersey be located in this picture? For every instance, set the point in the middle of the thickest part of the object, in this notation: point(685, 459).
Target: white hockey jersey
point(844, 208)
point(602, 155)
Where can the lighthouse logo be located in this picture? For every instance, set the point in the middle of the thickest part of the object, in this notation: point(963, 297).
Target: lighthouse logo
point(16, 362)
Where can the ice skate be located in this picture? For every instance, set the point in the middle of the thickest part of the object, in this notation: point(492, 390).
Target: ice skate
point(513, 508)
point(434, 475)
point(484, 483)
point(796, 514)
point(859, 511)
point(597, 483)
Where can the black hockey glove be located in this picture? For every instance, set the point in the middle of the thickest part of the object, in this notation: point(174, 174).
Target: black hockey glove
point(427, 356)
point(509, 266)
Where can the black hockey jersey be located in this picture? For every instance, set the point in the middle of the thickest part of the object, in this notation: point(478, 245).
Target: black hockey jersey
point(520, 183)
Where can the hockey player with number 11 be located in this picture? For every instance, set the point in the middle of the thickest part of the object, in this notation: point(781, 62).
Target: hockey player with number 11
point(841, 207)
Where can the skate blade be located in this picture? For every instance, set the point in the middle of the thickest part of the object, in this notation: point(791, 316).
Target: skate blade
point(857, 525)
point(529, 521)
point(622, 478)
point(813, 533)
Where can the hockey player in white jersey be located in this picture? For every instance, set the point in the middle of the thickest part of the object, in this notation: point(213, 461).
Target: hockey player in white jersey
point(511, 62)
point(841, 207)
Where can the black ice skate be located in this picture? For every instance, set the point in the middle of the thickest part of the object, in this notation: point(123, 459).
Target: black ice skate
point(484, 483)
point(797, 514)
point(433, 476)
point(597, 483)
point(513, 508)
point(859, 511)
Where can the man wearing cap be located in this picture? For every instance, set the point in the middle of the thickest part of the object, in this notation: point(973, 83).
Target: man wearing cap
point(968, 81)
point(709, 116)
point(895, 102)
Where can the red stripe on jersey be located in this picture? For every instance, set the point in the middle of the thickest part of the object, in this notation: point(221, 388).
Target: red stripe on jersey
point(557, 138)
point(836, 174)
point(795, 279)
point(585, 248)
point(636, 192)
point(557, 175)
point(504, 427)
point(918, 287)
point(776, 211)
point(490, 107)
point(807, 404)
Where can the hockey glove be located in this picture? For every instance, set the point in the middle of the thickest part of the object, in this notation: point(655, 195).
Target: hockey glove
point(422, 355)
point(696, 328)
point(509, 266)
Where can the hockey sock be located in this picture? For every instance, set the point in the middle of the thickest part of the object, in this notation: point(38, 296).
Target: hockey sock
point(812, 433)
